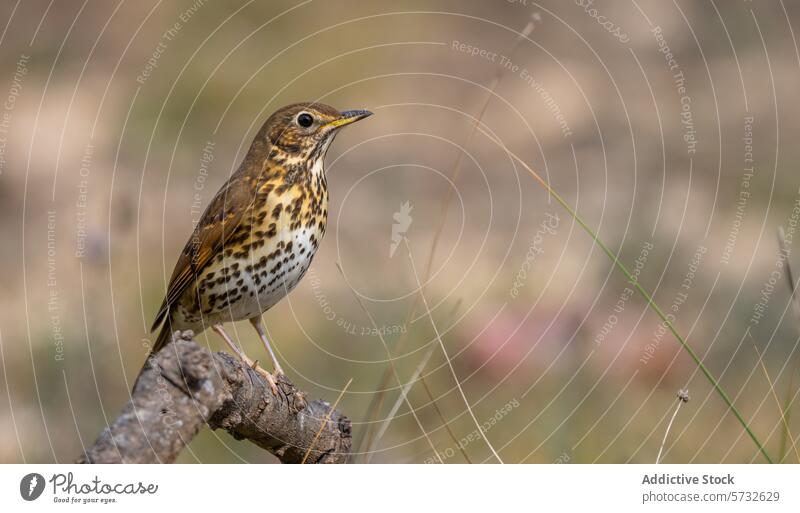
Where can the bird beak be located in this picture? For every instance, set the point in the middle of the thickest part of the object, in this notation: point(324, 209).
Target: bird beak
point(349, 116)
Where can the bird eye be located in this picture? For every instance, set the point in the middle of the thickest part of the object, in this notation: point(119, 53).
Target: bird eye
point(305, 119)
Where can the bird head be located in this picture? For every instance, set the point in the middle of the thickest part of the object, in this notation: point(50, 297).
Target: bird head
point(305, 130)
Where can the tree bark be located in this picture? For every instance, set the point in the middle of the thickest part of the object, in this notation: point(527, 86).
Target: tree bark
point(185, 387)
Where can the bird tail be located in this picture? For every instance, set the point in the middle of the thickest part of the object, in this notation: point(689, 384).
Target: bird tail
point(164, 338)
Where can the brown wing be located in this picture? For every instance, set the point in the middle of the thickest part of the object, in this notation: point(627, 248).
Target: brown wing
point(216, 226)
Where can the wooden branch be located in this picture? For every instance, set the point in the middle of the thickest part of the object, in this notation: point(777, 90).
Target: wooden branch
point(185, 387)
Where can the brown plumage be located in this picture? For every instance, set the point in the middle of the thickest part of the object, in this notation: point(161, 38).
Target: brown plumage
point(258, 235)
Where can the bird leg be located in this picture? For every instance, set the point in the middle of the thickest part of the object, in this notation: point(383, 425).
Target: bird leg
point(257, 324)
point(252, 364)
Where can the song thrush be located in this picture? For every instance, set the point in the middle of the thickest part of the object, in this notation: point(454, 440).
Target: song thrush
point(258, 235)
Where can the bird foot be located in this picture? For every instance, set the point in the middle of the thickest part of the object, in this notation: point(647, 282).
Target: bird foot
point(270, 379)
point(267, 376)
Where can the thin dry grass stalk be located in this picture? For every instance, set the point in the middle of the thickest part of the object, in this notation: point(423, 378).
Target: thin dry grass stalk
point(391, 363)
point(444, 420)
point(377, 402)
point(786, 411)
point(683, 397)
point(447, 356)
point(400, 399)
point(775, 396)
point(325, 423)
point(414, 377)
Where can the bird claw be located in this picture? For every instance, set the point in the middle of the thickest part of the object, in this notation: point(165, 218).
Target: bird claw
point(271, 382)
point(268, 377)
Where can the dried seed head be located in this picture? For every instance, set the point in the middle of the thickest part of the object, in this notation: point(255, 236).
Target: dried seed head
point(683, 395)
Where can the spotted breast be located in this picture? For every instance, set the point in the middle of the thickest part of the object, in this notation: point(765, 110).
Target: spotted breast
point(266, 255)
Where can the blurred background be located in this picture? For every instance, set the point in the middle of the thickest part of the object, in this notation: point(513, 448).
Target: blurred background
point(669, 126)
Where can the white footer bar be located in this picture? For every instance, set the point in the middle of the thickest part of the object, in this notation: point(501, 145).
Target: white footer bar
point(400, 487)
